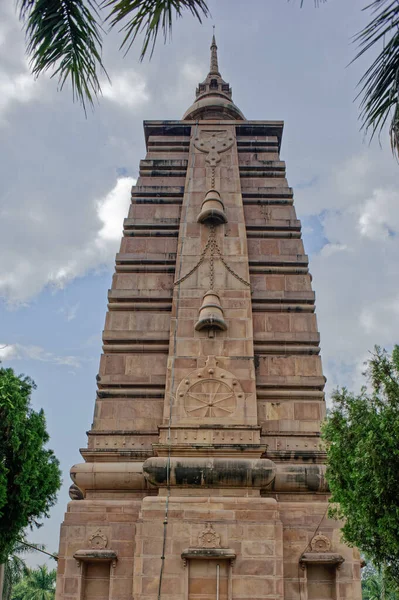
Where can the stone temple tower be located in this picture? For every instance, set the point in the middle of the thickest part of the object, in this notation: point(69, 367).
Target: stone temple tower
point(203, 478)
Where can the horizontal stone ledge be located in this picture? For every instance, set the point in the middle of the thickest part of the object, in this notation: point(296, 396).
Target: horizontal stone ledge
point(150, 268)
point(138, 295)
point(207, 450)
point(286, 339)
point(93, 555)
point(130, 381)
point(157, 191)
point(111, 455)
point(283, 308)
point(159, 144)
point(321, 558)
point(140, 306)
point(134, 348)
point(135, 337)
point(290, 382)
point(122, 393)
point(151, 233)
point(168, 139)
point(157, 224)
point(269, 260)
point(265, 174)
point(148, 260)
point(279, 271)
point(267, 192)
point(275, 224)
point(120, 432)
point(314, 456)
point(283, 296)
point(178, 201)
point(163, 173)
point(265, 164)
point(209, 553)
point(261, 348)
point(251, 142)
point(289, 394)
point(268, 234)
point(164, 162)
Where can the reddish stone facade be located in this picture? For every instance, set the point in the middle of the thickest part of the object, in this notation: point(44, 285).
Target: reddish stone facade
point(203, 476)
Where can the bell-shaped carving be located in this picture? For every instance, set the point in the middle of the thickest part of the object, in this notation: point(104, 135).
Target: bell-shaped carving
point(212, 209)
point(211, 313)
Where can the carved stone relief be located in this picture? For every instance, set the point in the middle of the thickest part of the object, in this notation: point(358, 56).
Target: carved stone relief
point(320, 543)
point(210, 393)
point(213, 143)
point(208, 538)
point(98, 540)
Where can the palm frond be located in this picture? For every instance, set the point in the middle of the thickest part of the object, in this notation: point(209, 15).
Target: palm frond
point(380, 83)
point(65, 35)
point(148, 17)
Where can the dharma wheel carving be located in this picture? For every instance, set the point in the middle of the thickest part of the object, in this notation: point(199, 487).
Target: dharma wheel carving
point(209, 538)
point(210, 392)
point(320, 543)
point(210, 398)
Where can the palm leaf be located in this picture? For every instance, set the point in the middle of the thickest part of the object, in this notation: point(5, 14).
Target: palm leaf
point(380, 83)
point(148, 17)
point(65, 35)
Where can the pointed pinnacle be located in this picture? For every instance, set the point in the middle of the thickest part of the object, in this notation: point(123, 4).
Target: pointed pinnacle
point(214, 57)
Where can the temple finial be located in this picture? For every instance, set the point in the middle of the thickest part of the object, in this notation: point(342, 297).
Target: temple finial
point(214, 56)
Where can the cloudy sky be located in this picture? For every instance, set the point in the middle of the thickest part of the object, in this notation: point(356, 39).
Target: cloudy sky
point(65, 184)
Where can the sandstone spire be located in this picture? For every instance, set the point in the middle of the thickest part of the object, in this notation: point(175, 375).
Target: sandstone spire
point(203, 476)
point(213, 95)
point(214, 69)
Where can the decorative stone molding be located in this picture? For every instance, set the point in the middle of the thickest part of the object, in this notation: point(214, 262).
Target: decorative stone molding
point(321, 558)
point(208, 538)
point(91, 555)
point(75, 493)
point(209, 471)
point(208, 553)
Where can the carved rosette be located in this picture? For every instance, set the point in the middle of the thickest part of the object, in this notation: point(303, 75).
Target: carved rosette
point(320, 543)
point(210, 394)
point(208, 538)
point(98, 540)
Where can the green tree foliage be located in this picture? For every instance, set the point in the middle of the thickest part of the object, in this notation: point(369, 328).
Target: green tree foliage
point(362, 438)
point(37, 584)
point(15, 567)
point(375, 586)
point(29, 473)
point(66, 37)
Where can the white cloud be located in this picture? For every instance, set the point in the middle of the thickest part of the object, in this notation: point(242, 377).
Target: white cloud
point(379, 216)
point(356, 272)
point(17, 84)
point(14, 88)
point(127, 89)
point(110, 212)
point(19, 351)
point(61, 247)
